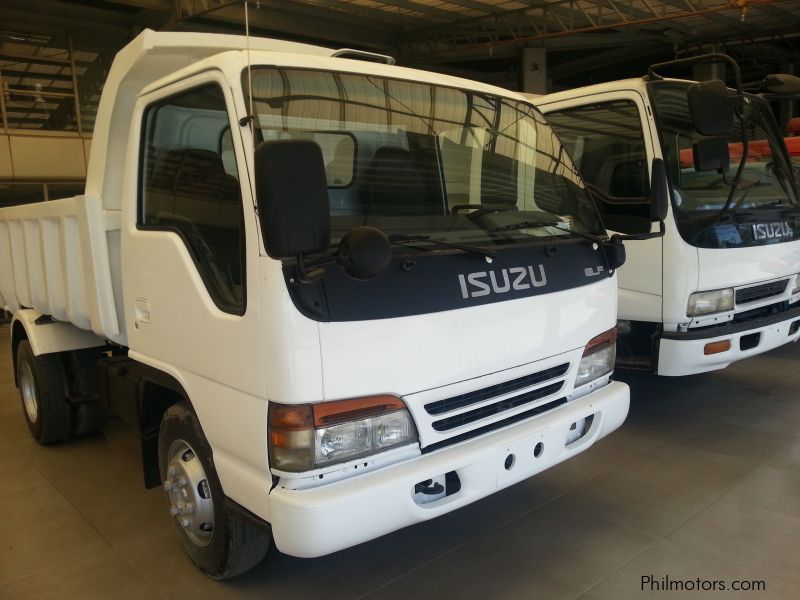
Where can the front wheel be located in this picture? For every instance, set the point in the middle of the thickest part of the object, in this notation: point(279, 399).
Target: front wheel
point(42, 388)
point(220, 542)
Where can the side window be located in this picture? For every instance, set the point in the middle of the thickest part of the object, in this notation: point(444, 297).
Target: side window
point(607, 145)
point(189, 184)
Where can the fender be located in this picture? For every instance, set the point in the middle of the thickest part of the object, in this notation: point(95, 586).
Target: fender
point(47, 336)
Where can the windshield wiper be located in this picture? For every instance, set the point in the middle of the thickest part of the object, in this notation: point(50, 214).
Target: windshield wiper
point(598, 239)
point(399, 238)
point(786, 203)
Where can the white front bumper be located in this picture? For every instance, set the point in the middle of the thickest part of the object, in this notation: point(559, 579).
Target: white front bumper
point(686, 356)
point(318, 521)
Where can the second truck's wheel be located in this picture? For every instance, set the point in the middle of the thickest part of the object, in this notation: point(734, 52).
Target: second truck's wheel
point(43, 392)
point(219, 542)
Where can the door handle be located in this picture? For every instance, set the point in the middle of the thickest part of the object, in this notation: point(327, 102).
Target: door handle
point(142, 311)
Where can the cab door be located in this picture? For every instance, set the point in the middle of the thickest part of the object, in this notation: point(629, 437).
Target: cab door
point(610, 138)
point(190, 263)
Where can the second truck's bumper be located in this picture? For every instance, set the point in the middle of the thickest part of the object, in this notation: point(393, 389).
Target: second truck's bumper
point(318, 521)
point(684, 353)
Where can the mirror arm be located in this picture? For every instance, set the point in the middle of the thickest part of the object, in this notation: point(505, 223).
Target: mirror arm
point(306, 276)
point(642, 236)
point(712, 57)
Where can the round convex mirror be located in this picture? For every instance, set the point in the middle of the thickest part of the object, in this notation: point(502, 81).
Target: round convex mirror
point(365, 253)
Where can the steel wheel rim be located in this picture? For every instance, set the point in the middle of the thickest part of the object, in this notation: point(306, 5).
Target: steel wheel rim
point(27, 388)
point(189, 493)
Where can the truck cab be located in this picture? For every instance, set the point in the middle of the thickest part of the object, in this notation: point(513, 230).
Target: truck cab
point(336, 297)
point(723, 283)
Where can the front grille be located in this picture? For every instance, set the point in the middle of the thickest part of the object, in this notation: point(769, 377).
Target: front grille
point(496, 408)
point(760, 313)
point(456, 402)
point(760, 292)
point(462, 437)
point(444, 419)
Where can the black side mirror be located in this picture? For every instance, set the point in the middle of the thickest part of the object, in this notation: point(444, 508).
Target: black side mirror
point(711, 154)
point(710, 107)
point(292, 197)
point(364, 253)
point(659, 191)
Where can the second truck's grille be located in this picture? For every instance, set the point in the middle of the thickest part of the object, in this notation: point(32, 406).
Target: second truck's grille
point(761, 292)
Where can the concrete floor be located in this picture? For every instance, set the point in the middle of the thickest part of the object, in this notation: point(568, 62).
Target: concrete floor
point(702, 481)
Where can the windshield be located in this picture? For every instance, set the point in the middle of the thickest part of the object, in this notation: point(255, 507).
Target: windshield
point(766, 178)
point(415, 159)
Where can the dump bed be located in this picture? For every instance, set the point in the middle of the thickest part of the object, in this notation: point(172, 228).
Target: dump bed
point(56, 257)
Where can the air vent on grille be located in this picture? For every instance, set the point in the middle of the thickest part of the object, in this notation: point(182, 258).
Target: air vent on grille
point(760, 292)
point(468, 435)
point(496, 408)
point(443, 406)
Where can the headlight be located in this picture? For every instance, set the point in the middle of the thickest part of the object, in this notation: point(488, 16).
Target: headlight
point(306, 437)
point(706, 303)
point(598, 357)
point(796, 288)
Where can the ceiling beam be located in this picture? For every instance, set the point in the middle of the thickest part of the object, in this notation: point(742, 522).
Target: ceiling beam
point(438, 13)
point(467, 32)
point(600, 60)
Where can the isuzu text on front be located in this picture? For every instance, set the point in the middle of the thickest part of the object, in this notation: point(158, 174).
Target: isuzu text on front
point(402, 301)
point(724, 281)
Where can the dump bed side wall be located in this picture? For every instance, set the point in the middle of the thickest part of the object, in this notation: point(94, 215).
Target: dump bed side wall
point(54, 257)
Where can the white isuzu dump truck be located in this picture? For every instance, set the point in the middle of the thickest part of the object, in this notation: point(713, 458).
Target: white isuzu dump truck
point(336, 297)
point(724, 281)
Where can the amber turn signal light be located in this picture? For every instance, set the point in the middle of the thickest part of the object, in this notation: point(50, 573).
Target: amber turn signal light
point(717, 347)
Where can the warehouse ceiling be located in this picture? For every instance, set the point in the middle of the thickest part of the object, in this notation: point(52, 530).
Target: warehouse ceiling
point(48, 48)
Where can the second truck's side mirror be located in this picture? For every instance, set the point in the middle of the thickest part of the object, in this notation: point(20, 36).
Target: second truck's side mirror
point(292, 197)
point(711, 154)
point(659, 191)
point(710, 107)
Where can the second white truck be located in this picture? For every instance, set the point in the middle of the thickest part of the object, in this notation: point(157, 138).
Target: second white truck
point(724, 281)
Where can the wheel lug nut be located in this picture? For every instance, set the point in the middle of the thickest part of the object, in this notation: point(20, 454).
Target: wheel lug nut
point(182, 482)
point(185, 522)
point(167, 485)
point(188, 508)
point(173, 511)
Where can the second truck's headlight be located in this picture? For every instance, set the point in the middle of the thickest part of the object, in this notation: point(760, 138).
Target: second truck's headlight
point(598, 357)
point(308, 436)
point(707, 303)
point(796, 288)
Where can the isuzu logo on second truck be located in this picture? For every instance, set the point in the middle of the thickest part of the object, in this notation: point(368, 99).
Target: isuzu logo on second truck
point(767, 231)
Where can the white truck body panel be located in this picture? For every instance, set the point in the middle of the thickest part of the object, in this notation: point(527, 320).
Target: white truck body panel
point(477, 342)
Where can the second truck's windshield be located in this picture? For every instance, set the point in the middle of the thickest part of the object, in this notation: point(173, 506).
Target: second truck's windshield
point(418, 159)
point(766, 178)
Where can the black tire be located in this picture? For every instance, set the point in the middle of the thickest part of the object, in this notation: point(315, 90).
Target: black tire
point(235, 545)
point(43, 393)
